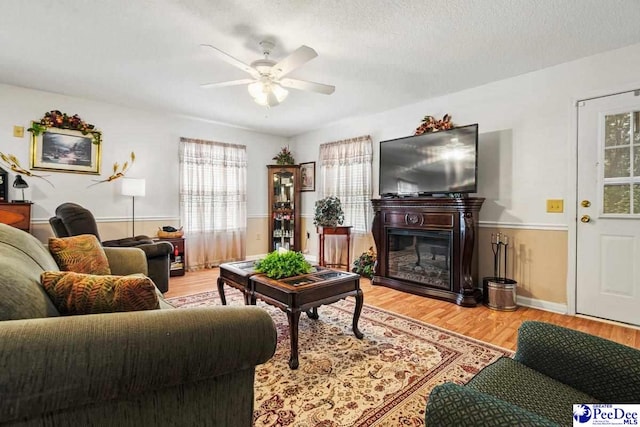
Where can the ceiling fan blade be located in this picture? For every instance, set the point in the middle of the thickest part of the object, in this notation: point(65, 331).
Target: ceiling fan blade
point(233, 61)
point(308, 86)
point(229, 83)
point(299, 56)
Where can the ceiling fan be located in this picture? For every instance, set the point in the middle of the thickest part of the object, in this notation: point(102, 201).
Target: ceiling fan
point(268, 77)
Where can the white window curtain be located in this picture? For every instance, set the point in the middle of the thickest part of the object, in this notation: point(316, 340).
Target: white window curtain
point(345, 172)
point(213, 202)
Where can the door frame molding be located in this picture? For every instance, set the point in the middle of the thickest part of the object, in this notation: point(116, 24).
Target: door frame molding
point(572, 186)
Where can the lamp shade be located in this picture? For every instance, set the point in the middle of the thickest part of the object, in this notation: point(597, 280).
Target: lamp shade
point(19, 182)
point(133, 187)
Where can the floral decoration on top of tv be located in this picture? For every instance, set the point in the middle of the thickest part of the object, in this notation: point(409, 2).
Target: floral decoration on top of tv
point(56, 119)
point(430, 124)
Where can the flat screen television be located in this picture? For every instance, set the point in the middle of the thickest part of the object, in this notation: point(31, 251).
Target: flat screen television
point(435, 163)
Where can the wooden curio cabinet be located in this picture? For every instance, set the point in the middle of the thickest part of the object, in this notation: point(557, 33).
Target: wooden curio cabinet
point(284, 207)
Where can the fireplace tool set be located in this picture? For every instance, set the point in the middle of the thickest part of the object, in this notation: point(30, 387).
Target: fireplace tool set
point(499, 292)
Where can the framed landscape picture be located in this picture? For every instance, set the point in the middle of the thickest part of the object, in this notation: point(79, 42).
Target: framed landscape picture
point(308, 176)
point(64, 150)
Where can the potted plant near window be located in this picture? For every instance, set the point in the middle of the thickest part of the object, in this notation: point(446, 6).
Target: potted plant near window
point(328, 212)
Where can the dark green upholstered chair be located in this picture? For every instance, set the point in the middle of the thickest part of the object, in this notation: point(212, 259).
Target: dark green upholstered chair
point(553, 368)
point(72, 219)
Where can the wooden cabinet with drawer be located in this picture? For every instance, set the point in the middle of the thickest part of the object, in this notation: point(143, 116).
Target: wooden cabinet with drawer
point(177, 256)
point(17, 214)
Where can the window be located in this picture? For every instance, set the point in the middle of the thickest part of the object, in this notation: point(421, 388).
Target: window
point(621, 155)
point(345, 172)
point(213, 199)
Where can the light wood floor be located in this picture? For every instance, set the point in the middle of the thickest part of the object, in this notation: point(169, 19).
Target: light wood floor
point(496, 327)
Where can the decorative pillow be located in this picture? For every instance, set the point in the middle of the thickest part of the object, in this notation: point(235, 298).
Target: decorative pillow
point(80, 254)
point(76, 293)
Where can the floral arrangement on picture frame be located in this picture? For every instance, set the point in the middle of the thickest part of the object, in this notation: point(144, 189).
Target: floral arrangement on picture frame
point(57, 119)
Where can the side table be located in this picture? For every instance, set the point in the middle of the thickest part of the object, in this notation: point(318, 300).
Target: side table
point(16, 214)
point(335, 231)
point(177, 256)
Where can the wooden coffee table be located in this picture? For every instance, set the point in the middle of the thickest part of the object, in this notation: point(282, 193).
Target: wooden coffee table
point(306, 293)
point(236, 275)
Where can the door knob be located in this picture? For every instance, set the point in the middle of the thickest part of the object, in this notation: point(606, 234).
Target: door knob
point(585, 203)
point(585, 218)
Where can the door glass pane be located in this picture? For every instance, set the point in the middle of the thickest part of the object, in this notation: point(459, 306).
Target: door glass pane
point(636, 198)
point(616, 199)
point(617, 128)
point(636, 160)
point(616, 162)
point(621, 164)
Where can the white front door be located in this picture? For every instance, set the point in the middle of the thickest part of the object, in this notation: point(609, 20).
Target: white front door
point(608, 190)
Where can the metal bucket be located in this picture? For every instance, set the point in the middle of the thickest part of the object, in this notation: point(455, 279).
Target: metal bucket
point(499, 293)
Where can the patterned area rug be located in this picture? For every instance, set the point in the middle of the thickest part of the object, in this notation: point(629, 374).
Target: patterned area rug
point(382, 380)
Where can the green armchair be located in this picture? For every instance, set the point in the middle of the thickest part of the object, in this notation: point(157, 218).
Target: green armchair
point(165, 367)
point(553, 368)
point(72, 219)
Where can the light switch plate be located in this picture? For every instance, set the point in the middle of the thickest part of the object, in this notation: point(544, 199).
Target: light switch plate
point(555, 205)
point(18, 131)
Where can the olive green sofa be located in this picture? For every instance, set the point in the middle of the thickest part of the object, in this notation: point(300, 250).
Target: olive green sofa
point(167, 367)
point(553, 369)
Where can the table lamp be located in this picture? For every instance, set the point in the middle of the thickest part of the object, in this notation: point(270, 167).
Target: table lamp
point(20, 183)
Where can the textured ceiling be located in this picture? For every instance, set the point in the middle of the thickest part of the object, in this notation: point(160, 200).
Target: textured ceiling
point(380, 54)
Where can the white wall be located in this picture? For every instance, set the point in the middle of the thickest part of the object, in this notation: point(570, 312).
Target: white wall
point(154, 137)
point(526, 130)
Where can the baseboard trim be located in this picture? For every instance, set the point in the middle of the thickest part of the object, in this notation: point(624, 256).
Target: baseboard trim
point(542, 305)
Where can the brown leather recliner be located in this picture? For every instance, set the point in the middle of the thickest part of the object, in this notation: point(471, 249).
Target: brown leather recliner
point(72, 219)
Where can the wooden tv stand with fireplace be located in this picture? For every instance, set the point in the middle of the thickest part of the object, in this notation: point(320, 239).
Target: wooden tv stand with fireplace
point(428, 246)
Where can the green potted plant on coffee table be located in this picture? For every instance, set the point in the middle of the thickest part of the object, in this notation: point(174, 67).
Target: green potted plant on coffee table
point(283, 263)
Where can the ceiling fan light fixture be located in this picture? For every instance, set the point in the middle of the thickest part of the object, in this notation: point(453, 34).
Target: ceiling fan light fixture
point(267, 100)
point(256, 89)
point(267, 95)
point(280, 92)
point(262, 100)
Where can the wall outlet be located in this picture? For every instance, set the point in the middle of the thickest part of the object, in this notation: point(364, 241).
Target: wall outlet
point(555, 205)
point(258, 236)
